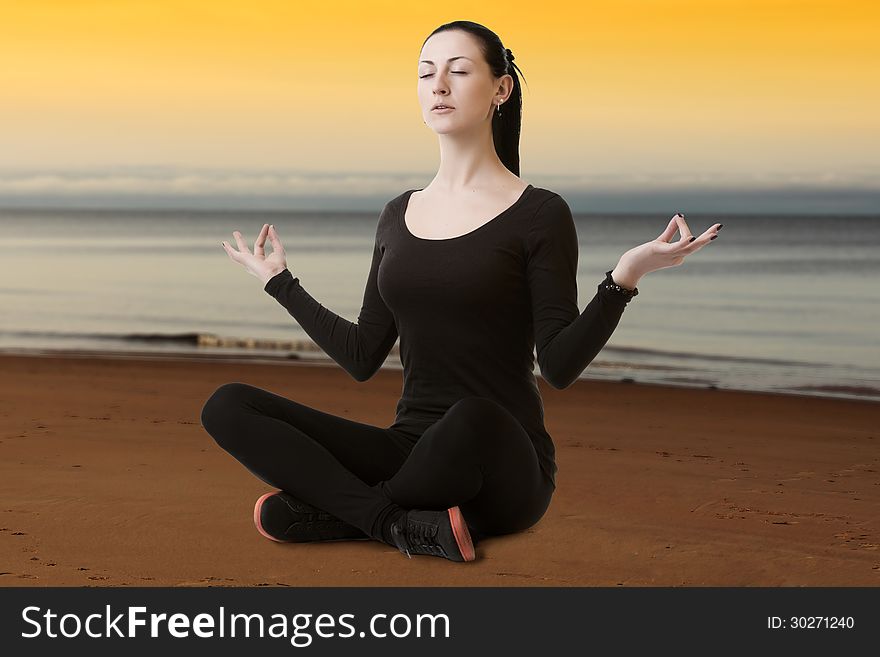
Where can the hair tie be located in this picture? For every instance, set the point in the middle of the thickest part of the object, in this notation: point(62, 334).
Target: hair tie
point(509, 54)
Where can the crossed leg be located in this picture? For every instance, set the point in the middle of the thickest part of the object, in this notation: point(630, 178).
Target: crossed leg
point(476, 456)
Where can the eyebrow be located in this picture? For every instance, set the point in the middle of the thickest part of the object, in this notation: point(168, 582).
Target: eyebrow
point(451, 59)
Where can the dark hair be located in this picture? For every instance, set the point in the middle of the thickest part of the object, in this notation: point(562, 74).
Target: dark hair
point(505, 128)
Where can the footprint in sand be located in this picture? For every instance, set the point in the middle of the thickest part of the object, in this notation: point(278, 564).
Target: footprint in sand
point(702, 506)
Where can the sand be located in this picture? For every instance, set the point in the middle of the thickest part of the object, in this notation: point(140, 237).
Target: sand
point(107, 478)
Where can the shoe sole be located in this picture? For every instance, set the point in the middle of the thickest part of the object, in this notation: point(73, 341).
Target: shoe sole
point(258, 507)
point(461, 533)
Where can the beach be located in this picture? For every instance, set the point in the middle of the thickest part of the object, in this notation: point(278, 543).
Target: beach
point(107, 478)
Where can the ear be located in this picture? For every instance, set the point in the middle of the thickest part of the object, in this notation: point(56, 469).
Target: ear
point(505, 87)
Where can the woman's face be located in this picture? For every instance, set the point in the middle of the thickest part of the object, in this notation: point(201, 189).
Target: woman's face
point(465, 83)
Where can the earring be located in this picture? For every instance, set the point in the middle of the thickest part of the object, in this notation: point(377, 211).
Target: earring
point(499, 109)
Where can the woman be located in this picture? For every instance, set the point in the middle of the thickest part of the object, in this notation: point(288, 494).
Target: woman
point(470, 298)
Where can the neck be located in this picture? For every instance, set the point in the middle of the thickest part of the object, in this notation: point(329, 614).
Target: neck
point(468, 162)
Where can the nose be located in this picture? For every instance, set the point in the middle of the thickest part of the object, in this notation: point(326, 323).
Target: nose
point(440, 86)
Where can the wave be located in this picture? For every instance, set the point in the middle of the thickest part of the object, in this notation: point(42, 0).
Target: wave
point(193, 339)
point(204, 339)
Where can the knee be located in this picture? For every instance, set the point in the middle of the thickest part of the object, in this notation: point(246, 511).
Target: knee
point(493, 527)
point(217, 410)
point(507, 521)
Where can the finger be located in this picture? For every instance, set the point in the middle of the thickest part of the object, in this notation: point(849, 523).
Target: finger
point(230, 251)
point(242, 247)
point(701, 241)
point(669, 233)
point(676, 223)
point(276, 241)
point(683, 228)
point(261, 240)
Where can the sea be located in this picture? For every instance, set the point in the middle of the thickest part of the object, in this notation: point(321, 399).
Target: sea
point(778, 303)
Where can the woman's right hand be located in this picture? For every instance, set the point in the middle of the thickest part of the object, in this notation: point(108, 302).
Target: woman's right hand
point(258, 263)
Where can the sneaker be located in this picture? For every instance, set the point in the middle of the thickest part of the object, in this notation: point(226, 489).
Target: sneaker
point(438, 533)
point(281, 517)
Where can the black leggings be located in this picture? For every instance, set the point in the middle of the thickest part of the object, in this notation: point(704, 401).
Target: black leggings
point(477, 457)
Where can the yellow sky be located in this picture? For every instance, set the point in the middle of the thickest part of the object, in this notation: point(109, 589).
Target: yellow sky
point(734, 87)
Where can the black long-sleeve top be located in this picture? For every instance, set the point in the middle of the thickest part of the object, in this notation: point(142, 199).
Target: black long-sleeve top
point(470, 311)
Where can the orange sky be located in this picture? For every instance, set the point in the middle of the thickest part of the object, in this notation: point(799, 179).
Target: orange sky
point(735, 88)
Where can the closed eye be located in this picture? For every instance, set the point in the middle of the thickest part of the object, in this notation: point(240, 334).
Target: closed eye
point(430, 74)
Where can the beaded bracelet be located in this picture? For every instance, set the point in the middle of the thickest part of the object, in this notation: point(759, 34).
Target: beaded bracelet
point(610, 285)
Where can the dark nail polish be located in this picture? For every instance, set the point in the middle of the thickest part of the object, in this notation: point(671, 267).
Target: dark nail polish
point(720, 226)
point(692, 239)
point(713, 237)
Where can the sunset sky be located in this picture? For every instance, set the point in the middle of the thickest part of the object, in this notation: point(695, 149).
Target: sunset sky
point(274, 97)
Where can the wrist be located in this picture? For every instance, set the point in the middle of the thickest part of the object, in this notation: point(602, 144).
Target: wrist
point(625, 277)
point(272, 273)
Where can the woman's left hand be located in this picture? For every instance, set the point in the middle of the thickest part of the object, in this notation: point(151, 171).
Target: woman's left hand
point(661, 252)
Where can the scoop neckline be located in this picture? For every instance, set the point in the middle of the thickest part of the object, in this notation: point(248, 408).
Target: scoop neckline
point(405, 204)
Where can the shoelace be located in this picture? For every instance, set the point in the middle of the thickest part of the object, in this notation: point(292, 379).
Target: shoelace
point(309, 513)
point(422, 538)
point(312, 518)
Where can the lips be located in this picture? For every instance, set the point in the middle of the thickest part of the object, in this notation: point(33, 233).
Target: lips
point(441, 106)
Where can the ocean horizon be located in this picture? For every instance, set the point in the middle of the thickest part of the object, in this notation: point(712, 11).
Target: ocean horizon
point(776, 304)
